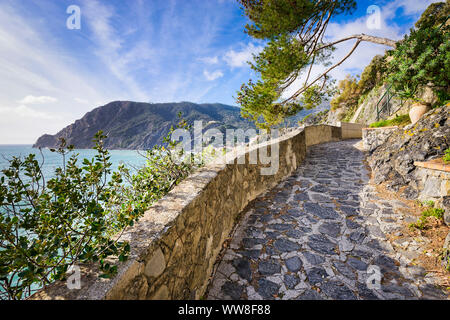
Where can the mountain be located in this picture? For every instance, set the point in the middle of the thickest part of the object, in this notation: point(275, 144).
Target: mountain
point(136, 125)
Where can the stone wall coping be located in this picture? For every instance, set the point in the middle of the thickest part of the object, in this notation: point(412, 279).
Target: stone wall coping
point(436, 164)
point(381, 128)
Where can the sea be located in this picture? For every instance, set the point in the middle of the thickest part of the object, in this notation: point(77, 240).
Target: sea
point(52, 160)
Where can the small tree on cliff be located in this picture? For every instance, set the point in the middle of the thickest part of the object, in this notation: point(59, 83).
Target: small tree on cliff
point(294, 31)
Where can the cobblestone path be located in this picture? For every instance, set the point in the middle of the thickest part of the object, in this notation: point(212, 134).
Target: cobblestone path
point(320, 234)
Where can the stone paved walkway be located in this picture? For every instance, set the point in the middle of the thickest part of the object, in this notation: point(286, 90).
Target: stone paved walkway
point(320, 234)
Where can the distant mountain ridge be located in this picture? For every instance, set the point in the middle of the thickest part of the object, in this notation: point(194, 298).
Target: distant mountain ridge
point(138, 125)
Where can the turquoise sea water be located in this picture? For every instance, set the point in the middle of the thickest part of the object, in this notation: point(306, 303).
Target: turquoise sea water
point(53, 160)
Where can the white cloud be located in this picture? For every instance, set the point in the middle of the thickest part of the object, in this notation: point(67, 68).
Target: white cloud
point(83, 101)
point(34, 67)
point(413, 7)
point(212, 76)
point(210, 60)
point(24, 111)
point(37, 100)
point(237, 59)
point(110, 46)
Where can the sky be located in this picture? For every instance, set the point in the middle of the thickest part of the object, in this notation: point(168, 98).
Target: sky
point(51, 73)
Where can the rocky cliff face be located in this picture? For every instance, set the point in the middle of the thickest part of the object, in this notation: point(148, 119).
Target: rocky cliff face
point(134, 125)
point(393, 161)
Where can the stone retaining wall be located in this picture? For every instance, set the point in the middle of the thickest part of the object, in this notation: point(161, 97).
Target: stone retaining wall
point(175, 244)
point(321, 133)
point(433, 183)
point(351, 130)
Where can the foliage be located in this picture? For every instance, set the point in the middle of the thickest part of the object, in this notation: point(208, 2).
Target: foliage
point(397, 121)
point(421, 224)
point(270, 18)
point(434, 15)
point(348, 92)
point(373, 74)
point(166, 166)
point(427, 203)
point(446, 157)
point(48, 226)
point(77, 216)
point(351, 92)
point(293, 31)
point(423, 58)
point(276, 64)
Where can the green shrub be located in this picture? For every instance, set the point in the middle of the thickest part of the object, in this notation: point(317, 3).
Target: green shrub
point(422, 59)
point(423, 220)
point(76, 217)
point(446, 157)
point(397, 121)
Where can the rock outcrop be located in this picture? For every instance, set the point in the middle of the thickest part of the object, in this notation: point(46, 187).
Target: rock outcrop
point(393, 161)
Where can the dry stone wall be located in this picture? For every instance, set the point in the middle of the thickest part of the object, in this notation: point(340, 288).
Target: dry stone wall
point(175, 244)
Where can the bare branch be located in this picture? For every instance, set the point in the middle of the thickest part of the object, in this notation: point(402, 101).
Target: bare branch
point(301, 90)
point(364, 37)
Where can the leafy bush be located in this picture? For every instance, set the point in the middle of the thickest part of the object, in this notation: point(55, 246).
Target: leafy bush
point(397, 121)
point(76, 217)
point(446, 157)
point(348, 93)
point(422, 59)
point(166, 166)
point(48, 226)
point(423, 220)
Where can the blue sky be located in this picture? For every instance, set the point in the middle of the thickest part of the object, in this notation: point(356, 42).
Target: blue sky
point(142, 50)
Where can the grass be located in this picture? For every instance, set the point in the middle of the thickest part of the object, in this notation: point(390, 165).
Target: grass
point(402, 120)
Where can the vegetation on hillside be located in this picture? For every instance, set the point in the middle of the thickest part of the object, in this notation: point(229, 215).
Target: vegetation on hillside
point(352, 91)
point(140, 126)
point(76, 217)
point(402, 120)
point(423, 59)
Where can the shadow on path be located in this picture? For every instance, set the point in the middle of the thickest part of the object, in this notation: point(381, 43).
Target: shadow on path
point(320, 234)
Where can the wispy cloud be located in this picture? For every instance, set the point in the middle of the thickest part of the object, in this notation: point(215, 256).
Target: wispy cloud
point(37, 100)
point(210, 60)
point(238, 59)
point(24, 111)
point(211, 76)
